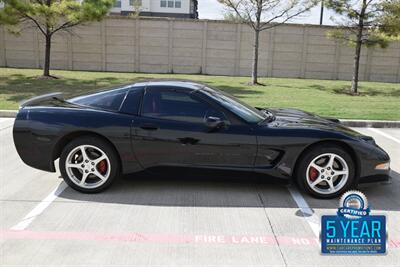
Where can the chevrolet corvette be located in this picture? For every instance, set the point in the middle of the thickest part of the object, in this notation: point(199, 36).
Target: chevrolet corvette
point(102, 135)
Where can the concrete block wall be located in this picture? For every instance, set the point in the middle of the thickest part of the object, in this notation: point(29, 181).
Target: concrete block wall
point(163, 45)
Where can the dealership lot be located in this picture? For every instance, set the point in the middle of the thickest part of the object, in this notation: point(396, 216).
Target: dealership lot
point(182, 219)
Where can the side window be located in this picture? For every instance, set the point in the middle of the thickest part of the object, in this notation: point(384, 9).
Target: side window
point(110, 100)
point(178, 106)
point(132, 101)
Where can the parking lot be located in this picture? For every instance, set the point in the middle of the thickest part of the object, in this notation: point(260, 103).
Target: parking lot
point(183, 220)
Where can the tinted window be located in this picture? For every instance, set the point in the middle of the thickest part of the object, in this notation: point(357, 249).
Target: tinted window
point(177, 106)
point(110, 100)
point(132, 101)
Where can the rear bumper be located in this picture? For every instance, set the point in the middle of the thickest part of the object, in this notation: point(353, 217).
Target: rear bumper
point(34, 149)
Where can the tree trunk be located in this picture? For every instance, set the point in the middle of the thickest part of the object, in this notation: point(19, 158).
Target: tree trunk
point(46, 67)
point(254, 73)
point(356, 68)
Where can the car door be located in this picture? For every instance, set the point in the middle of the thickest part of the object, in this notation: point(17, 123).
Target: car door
point(171, 131)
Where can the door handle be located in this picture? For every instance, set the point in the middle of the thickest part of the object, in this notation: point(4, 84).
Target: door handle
point(149, 127)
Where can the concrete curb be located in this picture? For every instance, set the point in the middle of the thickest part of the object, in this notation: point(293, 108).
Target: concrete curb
point(349, 123)
point(371, 123)
point(8, 113)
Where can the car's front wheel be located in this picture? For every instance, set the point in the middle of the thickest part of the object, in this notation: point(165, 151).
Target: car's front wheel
point(326, 171)
point(89, 164)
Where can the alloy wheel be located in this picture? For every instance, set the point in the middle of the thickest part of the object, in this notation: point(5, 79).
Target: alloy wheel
point(88, 166)
point(327, 173)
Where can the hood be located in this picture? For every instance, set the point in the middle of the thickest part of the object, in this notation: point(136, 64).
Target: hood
point(294, 118)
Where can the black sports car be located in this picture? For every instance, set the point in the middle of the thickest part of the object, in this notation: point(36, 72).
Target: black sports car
point(101, 135)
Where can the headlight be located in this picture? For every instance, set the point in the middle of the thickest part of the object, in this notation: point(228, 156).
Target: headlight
point(383, 166)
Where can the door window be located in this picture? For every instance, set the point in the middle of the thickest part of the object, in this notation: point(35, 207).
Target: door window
point(178, 106)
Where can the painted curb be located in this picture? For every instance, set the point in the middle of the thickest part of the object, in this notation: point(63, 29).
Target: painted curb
point(345, 122)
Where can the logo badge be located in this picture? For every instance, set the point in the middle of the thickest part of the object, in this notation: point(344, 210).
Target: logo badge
point(353, 205)
point(353, 230)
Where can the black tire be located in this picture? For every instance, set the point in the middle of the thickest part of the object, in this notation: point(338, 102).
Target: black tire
point(105, 147)
point(309, 156)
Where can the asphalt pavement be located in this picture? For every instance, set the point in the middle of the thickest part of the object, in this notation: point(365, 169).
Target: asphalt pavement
point(184, 220)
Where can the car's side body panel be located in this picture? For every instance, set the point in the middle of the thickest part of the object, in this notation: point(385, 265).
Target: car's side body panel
point(169, 142)
point(39, 130)
point(280, 148)
point(190, 144)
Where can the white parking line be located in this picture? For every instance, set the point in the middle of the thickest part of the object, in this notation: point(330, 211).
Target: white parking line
point(28, 219)
point(309, 215)
point(384, 134)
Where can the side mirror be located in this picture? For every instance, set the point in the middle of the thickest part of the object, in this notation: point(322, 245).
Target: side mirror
point(214, 123)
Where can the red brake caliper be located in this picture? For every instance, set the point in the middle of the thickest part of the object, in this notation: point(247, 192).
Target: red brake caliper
point(102, 166)
point(313, 174)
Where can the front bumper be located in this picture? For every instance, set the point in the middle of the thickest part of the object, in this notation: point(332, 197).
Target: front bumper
point(384, 177)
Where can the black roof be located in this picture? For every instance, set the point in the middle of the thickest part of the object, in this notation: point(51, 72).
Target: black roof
point(183, 84)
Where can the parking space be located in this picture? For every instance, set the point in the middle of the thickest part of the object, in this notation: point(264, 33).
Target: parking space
point(185, 219)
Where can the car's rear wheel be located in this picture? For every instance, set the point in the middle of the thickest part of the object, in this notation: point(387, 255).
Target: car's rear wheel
point(326, 171)
point(89, 164)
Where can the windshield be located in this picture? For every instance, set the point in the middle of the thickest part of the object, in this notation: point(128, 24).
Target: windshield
point(244, 111)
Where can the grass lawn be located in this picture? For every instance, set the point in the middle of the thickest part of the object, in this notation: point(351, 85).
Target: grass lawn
point(324, 97)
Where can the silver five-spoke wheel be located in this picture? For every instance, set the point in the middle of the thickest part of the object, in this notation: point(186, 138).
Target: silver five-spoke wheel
point(88, 166)
point(327, 173)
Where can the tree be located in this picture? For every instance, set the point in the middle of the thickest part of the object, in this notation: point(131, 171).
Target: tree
point(360, 26)
point(137, 8)
point(262, 15)
point(50, 17)
point(390, 21)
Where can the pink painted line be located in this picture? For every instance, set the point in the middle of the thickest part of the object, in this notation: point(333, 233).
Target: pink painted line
point(160, 238)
